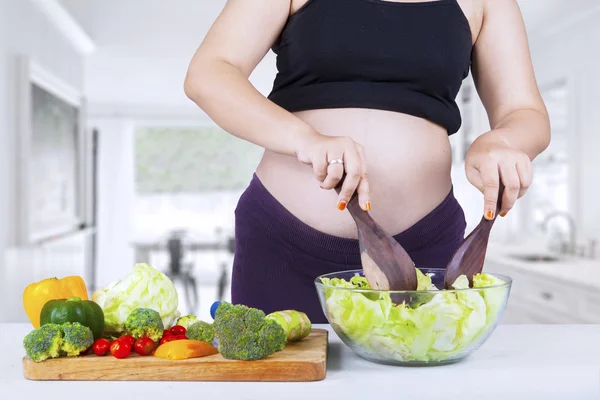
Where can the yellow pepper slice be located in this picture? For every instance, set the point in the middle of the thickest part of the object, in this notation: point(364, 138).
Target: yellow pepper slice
point(184, 349)
point(37, 294)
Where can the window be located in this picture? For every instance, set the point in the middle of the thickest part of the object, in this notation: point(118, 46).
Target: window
point(190, 178)
point(550, 189)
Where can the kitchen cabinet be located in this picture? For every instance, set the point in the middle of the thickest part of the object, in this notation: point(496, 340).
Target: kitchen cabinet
point(543, 299)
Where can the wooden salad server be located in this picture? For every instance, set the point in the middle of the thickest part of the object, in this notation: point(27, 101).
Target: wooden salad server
point(469, 256)
point(386, 265)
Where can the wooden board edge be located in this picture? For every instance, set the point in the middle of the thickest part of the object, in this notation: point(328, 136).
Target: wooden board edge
point(306, 371)
point(302, 372)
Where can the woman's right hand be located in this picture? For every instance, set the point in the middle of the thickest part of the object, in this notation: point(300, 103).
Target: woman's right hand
point(319, 150)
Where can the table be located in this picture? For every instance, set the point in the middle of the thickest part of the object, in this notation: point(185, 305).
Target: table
point(518, 362)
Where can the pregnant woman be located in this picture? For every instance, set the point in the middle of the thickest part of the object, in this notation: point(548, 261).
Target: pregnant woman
point(365, 87)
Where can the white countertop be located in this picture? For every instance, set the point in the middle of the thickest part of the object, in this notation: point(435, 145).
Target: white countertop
point(518, 362)
point(568, 268)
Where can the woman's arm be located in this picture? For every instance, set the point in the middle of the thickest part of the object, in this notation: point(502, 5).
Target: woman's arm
point(217, 78)
point(504, 78)
point(217, 81)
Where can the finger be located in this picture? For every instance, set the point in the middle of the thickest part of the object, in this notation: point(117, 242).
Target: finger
point(335, 172)
point(474, 177)
point(525, 172)
point(319, 165)
point(490, 179)
point(363, 194)
point(351, 180)
point(363, 185)
point(512, 185)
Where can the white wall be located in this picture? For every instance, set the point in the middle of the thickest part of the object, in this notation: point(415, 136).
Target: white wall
point(23, 30)
point(572, 53)
point(114, 255)
point(4, 141)
point(143, 52)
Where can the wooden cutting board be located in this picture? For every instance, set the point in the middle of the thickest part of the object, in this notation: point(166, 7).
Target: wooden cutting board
point(302, 361)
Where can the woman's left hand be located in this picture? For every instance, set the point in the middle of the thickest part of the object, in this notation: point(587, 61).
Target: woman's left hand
point(489, 160)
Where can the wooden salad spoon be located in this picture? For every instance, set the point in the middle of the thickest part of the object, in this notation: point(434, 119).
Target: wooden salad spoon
point(386, 265)
point(469, 256)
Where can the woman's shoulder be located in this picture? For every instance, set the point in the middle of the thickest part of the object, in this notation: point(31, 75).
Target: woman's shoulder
point(473, 10)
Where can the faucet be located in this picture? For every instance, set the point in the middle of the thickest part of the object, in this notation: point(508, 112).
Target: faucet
point(570, 247)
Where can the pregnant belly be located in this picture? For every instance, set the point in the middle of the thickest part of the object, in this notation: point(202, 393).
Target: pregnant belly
point(408, 162)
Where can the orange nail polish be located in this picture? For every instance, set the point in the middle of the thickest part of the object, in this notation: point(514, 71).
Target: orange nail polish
point(368, 205)
point(503, 214)
point(490, 214)
point(342, 205)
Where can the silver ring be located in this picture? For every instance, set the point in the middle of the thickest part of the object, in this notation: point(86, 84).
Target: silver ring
point(336, 161)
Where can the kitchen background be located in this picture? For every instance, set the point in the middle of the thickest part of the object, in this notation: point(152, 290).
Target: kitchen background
point(104, 161)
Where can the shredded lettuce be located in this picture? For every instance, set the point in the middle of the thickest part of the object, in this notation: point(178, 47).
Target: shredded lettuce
point(437, 328)
point(494, 298)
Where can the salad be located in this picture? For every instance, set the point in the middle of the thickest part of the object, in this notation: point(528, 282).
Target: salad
point(434, 326)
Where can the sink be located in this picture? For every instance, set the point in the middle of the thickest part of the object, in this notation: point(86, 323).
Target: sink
point(535, 257)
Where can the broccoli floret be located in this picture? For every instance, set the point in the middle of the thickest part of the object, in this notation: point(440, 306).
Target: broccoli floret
point(144, 322)
point(77, 338)
point(187, 321)
point(245, 334)
point(43, 343)
point(53, 340)
point(202, 331)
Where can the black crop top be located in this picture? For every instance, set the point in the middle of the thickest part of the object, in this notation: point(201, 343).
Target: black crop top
point(404, 57)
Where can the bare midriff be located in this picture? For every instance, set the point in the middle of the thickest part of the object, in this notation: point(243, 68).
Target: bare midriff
point(408, 164)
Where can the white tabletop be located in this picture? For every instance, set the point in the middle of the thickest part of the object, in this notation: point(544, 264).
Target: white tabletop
point(518, 362)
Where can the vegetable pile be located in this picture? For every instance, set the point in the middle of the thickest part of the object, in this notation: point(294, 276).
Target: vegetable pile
point(136, 314)
point(437, 326)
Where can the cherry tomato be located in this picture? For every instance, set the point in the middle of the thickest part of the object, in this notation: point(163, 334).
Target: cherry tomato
point(166, 338)
point(101, 347)
point(129, 339)
point(170, 338)
point(120, 348)
point(166, 332)
point(144, 346)
point(178, 330)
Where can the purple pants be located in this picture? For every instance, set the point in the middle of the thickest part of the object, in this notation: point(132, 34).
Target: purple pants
point(277, 256)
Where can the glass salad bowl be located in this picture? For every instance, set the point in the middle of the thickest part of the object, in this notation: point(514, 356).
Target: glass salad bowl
point(419, 328)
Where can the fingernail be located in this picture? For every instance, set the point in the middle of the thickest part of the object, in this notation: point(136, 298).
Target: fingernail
point(503, 214)
point(342, 205)
point(490, 214)
point(368, 205)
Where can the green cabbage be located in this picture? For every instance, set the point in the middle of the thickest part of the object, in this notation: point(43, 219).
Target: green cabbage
point(144, 287)
point(439, 328)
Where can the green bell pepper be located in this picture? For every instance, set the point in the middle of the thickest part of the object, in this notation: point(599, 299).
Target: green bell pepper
point(86, 312)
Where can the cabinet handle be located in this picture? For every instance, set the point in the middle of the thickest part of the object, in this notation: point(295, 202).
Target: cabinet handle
point(547, 296)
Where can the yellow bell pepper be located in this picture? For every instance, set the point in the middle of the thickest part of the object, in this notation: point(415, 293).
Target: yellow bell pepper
point(37, 294)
